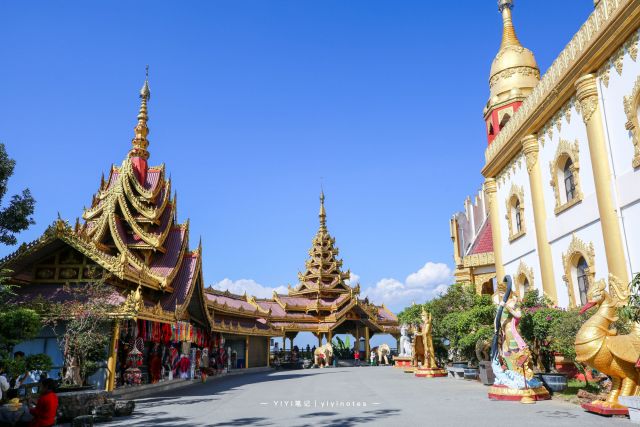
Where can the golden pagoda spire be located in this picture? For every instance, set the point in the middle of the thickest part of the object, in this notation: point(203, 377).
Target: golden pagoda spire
point(509, 37)
point(140, 141)
point(323, 213)
point(514, 71)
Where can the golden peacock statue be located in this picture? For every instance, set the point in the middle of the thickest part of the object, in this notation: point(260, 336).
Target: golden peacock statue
point(600, 347)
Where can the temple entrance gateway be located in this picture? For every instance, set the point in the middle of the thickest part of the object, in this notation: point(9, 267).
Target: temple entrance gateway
point(323, 304)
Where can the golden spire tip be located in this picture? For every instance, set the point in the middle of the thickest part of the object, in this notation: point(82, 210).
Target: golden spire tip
point(145, 92)
point(509, 37)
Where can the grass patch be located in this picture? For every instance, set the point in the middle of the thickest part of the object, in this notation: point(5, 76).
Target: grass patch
point(573, 386)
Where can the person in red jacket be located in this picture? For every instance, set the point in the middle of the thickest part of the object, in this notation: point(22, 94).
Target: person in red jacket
point(44, 413)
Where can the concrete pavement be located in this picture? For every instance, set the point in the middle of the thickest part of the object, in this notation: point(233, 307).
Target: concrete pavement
point(380, 396)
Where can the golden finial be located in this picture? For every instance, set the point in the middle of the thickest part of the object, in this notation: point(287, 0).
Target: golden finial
point(140, 141)
point(509, 37)
point(323, 213)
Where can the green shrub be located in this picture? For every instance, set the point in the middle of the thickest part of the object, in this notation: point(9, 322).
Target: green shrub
point(39, 362)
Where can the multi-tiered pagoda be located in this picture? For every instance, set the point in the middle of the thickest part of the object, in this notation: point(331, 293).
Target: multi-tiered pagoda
point(323, 302)
point(131, 237)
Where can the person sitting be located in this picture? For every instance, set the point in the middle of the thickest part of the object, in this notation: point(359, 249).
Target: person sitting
point(13, 412)
point(44, 413)
point(4, 382)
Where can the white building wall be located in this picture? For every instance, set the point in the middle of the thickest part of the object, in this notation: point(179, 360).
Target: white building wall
point(571, 128)
point(524, 248)
point(616, 80)
point(631, 214)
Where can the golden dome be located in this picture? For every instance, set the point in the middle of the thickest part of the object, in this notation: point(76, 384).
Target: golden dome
point(514, 72)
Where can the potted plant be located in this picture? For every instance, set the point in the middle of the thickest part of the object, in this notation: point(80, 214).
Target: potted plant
point(538, 319)
point(631, 313)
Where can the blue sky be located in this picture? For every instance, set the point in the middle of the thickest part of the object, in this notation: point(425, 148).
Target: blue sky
point(253, 102)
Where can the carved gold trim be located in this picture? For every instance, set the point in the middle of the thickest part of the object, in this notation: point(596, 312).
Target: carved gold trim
point(478, 260)
point(524, 271)
point(509, 72)
point(515, 195)
point(593, 34)
point(566, 150)
point(631, 104)
point(577, 248)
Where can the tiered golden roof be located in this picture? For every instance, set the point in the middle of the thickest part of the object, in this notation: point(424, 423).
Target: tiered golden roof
point(323, 274)
point(130, 236)
point(514, 72)
point(133, 215)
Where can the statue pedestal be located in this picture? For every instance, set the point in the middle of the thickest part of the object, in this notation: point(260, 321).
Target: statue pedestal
point(501, 392)
point(402, 362)
point(430, 372)
point(604, 410)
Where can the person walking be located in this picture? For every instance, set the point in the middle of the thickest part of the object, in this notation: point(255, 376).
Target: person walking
point(356, 357)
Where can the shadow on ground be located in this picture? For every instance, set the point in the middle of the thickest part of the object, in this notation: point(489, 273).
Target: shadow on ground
point(367, 417)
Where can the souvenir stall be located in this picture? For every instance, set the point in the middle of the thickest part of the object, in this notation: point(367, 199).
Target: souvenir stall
point(217, 355)
point(151, 351)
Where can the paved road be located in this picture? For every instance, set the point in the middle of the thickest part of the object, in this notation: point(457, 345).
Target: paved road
point(381, 396)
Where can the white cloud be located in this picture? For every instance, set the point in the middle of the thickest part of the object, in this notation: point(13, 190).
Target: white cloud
point(429, 275)
point(250, 286)
point(354, 280)
point(428, 282)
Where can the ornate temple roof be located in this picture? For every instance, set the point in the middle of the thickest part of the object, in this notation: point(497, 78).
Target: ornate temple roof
point(133, 215)
point(321, 302)
point(131, 231)
point(484, 241)
point(323, 275)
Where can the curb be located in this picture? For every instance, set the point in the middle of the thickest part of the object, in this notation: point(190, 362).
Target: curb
point(133, 393)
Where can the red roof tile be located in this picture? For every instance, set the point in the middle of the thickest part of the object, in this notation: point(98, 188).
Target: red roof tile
point(182, 283)
point(484, 240)
point(163, 265)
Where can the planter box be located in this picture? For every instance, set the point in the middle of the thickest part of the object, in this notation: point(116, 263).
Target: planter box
point(553, 382)
point(456, 373)
point(633, 403)
point(470, 373)
point(486, 373)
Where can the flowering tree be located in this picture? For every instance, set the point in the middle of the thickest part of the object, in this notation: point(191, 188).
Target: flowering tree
point(84, 319)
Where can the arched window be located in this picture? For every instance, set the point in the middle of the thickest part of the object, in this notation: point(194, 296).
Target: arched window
point(504, 121)
point(582, 274)
point(525, 286)
point(490, 129)
point(565, 176)
point(515, 213)
point(569, 181)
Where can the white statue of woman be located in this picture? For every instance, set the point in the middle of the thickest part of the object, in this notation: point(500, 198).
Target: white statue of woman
point(405, 342)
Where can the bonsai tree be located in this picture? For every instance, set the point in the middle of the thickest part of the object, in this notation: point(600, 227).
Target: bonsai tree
point(460, 319)
point(86, 317)
point(564, 330)
point(39, 362)
point(538, 317)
